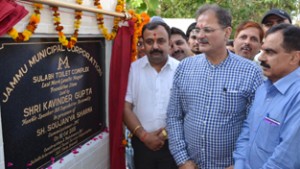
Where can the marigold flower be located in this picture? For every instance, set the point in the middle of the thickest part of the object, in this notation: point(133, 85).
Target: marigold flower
point(30, 28)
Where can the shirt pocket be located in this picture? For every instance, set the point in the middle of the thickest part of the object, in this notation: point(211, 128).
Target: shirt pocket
point(233, 102)
point(268, 136)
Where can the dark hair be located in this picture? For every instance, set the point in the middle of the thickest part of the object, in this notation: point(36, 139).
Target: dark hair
point(229, 42)
point(190, 28)
point(176, 31)
point(154, 25)
point(249, 24)
point(291, 36)
point(224, 16)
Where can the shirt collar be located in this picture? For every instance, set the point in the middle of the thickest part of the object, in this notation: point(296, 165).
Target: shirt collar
point(283, 84)
point(224, 62)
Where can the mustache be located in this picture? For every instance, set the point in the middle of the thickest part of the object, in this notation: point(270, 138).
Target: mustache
point(203, 40)
point(156, 51)
point(264, 64)
point(178, 51)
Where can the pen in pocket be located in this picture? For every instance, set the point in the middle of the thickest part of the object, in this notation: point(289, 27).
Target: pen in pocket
point(271, 121)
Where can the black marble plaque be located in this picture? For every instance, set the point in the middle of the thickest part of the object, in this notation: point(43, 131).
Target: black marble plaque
point(52, 98)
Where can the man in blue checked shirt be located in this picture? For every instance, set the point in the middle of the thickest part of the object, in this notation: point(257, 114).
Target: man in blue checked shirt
point(270, 136)
point(210, 97)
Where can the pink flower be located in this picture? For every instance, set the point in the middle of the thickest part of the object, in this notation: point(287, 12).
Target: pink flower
point(52, 159)
point(10, 164)
point(75, 151)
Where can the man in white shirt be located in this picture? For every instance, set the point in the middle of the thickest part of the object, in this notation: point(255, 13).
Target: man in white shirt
point(147, 97)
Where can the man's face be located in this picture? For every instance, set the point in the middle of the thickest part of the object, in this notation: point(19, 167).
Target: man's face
point(247, 43)
point(273, 20)
point(156, 44)
point(179, 47)
point(275, 61)
point(212, 36)
point(140, 48)
point(193, 42)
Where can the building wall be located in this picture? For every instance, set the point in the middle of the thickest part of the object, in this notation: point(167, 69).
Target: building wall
point(95, 153)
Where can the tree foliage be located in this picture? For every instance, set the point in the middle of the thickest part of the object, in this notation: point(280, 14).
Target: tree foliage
point(241, 10)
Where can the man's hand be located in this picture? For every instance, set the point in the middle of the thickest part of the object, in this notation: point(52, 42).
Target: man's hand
point(188, 165)
point(153, 141)
point(230, 167)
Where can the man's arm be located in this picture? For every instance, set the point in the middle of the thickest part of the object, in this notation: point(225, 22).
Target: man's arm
point(175, 125)
point(152, 140)
point(241, 145)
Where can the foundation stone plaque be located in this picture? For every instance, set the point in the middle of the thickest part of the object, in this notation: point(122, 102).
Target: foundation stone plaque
point(52, 98)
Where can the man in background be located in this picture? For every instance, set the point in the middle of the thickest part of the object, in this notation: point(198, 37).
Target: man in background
point(248, 39)
point(229, 45)
point(191, 34)
point(271, 18)
point(140, 48)
point(275, 17)
point(179, 46)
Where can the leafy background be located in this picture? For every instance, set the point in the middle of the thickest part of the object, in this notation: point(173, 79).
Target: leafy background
point(241, 10)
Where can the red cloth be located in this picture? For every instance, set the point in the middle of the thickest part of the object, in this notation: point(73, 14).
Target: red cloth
point(6, 9)
point(11, 13)
point(119, 69)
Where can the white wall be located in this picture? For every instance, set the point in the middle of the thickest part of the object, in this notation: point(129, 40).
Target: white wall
point(181, 23)
point(95, 153)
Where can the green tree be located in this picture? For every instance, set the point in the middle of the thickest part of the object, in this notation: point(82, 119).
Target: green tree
point(241, 10)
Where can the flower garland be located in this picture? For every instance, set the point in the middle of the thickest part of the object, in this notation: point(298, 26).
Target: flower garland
point(100, 20)
point(61, 36)
point(139, 21)
point(30, 28)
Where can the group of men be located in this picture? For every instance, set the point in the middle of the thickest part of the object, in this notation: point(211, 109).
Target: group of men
point(213, 110)
point(182, 44)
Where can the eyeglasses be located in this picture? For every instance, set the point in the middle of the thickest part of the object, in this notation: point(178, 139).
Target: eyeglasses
point(206, 30)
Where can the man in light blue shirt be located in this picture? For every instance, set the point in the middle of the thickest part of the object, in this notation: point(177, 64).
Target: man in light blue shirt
point(270, 137)
point(210, 97)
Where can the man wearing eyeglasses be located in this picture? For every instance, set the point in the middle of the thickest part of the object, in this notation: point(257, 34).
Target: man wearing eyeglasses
point(140, 48)
point(210, 96)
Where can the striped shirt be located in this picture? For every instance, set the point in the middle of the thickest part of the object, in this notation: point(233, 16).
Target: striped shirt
point(207, 107)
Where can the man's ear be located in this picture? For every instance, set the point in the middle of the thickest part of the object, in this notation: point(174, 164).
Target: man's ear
point(228, 31)
point(295, 59)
